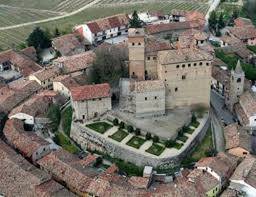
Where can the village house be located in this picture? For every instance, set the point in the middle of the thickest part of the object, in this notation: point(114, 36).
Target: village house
point(16, 93)
point(102, 29)
point(90, 101)
point(63, 84)
point(27, 143)
point(221, 167)
point(246, 109)
point(20, 178)
point(193, 37)
point(242, 22)
point(226, 40)
point(243, 179)
point(28, 111)
point(205, 182)
point(68, 45)
point(45, 76)
point(75, 64)
point(238, 140)
point(244, 31)
point(14, 65)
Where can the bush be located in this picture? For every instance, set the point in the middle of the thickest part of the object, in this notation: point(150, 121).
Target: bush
point(169, 143)
point(193, 119)
point(67, 120)
point(99, 161)
point(115, 122)
point(54, 115)
point(148, 136)
point(130, 129)
point(180, 132)
point(155, 139)
point(121, 125)
point(137, 131)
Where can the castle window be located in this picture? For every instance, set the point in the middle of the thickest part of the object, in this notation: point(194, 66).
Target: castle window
point(166, 71)
point(189, 65)
point(176, 89)
point(183, 65)
point(207, 63)
point(155, 97)
point(195, 64)
point(154, 58)
point(139, 43)
point(165, 80)
point(148, 58)
point(238, 80)
point(133, 44)
point(201, 63)
point(177, 66)
point(183, 77)
point(146, 98)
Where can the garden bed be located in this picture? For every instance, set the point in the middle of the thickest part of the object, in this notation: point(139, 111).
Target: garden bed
point(182, 138)
point(119, 135)
point(156, 149)
point(195, 124)
point(177, 145)
point(136, 142)
point(100, 127)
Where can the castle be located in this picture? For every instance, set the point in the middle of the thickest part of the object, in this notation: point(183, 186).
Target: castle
point(164, 77)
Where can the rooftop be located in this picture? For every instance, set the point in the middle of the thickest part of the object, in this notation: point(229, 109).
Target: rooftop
point(88, 92)
point(243, 33)
point(183, 55)
point(248, 103)
point(46, 73)
point(67, 44)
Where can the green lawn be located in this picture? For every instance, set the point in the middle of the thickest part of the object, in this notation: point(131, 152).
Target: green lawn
point(252, 48)
point(119, 135)
point(155, 149)
point(65, 143)
point(136, 142)
point(66, 120)
point(100, 127)
point(201, 150)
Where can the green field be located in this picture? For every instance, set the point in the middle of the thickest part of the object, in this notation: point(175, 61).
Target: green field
point(14, 37)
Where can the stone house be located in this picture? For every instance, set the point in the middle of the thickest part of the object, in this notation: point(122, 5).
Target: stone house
point(45, 76)
point(102, 29)
point(238, 140)
point(90, 101)
point(27, 143)
point(68, 45)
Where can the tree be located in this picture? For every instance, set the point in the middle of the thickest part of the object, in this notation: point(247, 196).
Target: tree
point(115, 122)
point(213, 21)
point(39, 39)
point(135, 21)
point(155, 139)
point(137, 131)
point(221, 23)
point(56, 32)
point(54, 115)
point(109, 65)
point(148, 136)
point(130, 128)
point(193, 119)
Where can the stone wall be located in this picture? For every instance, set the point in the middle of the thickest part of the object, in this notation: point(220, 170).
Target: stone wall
point(95, 141)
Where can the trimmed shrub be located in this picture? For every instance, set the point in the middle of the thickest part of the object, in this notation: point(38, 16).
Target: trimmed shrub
point(193, 119)
point(121, 125)
point(155, 139)
point(169, 143)
point(115, 122)
point(130, 128)
point(148, 136)
point(137, 131)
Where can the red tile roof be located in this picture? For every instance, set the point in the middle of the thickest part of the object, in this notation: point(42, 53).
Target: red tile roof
point(103, 24)
point(88, 92)
point(241, 22)
point(21, 62)
point(26, 142)
point(67, 44)
point(244, 33)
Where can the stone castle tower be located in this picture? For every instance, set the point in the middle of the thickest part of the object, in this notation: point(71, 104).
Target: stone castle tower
point(136, 47)
point(236, 86)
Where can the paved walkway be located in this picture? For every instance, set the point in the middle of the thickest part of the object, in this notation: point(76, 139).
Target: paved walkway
point(51, 19)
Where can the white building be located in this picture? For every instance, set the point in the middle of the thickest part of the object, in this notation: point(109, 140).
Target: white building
point(102, 29)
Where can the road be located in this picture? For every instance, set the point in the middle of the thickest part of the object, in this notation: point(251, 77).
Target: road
point(53, 18)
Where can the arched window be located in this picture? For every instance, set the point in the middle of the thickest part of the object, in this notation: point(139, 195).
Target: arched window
point(238, 80)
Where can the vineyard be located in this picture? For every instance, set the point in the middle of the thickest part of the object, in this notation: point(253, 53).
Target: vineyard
point(12, 15)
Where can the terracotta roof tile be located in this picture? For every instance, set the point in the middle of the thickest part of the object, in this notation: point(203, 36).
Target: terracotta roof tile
point(47, 73)
point(88, 92)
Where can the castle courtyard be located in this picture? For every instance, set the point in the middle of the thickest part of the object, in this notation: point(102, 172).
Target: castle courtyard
point(166, 127)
